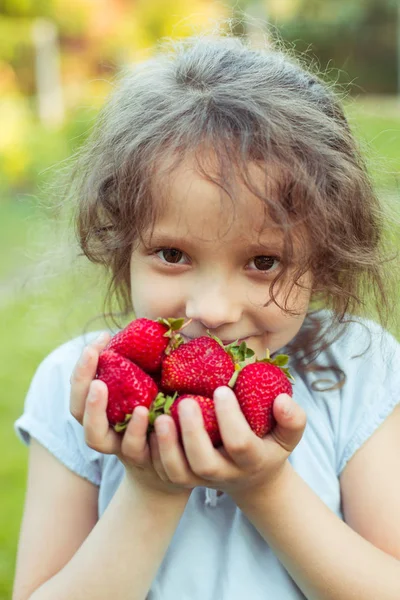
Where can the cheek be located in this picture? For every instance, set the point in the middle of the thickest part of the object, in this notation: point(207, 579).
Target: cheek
point(296, 297)
point(142, 291)
point(153, 296)
point(280, 329)
point(281, 323)
point(277, 321)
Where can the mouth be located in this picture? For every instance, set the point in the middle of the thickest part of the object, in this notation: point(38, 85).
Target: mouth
point(225, 342)
point(236, 341)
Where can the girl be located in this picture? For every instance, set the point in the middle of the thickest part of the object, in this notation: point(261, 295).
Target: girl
point(223, 184)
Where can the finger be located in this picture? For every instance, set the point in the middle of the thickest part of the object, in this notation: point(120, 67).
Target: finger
point(240, 443)
point(156, 458)
point(171, 453)
point(134, 444)
point(101, 341)
point(98, 433)
point(291, 422)
point(203, 459)
point(82, 375)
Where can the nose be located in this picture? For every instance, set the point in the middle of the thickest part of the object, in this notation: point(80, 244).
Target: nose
point(213, 307)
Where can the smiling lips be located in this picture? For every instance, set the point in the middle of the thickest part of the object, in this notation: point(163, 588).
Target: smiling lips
point(225, 342)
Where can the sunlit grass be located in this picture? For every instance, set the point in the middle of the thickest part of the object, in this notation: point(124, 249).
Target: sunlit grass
point(376, 123)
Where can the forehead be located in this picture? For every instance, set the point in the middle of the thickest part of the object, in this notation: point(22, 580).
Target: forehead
point(211, 204)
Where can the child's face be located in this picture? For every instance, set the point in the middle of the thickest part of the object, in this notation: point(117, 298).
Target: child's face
point(213, 264)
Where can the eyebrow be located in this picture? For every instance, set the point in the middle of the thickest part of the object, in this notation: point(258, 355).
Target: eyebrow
point(163, 239)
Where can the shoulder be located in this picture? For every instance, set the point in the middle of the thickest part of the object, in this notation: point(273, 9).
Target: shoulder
point(54, 371)
point(353, 387)
point(363, 348)
point(363, 337)
point(368, 355)
point(68, 351)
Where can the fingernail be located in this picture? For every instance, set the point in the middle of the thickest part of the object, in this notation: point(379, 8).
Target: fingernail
point(162, 428)
point(136, 416)
point(186, 409)
point(222, 394)
point(102, 338)
point(286, 404)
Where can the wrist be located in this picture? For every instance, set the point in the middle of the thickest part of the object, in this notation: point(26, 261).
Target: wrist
point(272, 486)
point(152, 495)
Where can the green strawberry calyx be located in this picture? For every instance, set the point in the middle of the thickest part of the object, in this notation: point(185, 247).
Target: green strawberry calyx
point(240, 353)
point(280, 360)
point(122, 425)
point(161, 405)
point(174, 326)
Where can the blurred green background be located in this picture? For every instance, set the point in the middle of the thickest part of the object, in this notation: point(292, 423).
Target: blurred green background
point(57, 61)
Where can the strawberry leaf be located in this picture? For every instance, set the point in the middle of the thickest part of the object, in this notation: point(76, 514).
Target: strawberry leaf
point(118, 427)
point(239, 352)
point(176, 324)
point(156, 408)
point(172, 324)
point(281, 360)
point(159, 401)
point(175, 341)
point(169, 402)
point(288, 374)
point(160, 406)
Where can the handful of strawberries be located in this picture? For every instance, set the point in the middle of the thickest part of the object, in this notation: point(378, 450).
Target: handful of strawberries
point(148, 364)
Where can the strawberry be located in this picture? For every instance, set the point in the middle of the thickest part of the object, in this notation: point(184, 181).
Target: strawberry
point(208, 411)
point(197, 367)
point(256, 386)
point(128, 386)
point(145, 341)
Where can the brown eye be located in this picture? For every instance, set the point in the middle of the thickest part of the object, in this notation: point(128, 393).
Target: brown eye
point(171, 255)
point(266, 263)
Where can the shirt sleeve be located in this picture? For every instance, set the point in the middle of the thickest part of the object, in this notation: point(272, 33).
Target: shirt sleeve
point(47, 417)
point(372, 388)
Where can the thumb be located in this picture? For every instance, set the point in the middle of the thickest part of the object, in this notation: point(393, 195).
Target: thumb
point(290, 422)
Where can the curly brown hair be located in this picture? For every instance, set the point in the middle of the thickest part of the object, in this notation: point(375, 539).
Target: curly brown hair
point(246, 104)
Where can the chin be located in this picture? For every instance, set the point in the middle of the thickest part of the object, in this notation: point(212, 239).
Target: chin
point(260, 348)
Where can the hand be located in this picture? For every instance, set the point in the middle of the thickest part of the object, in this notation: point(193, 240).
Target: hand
point(88, 403)
point(244, 463)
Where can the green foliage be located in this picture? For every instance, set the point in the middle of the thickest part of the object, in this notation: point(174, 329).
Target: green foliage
point(378, 130)
point(361, 57)
point(29, 151)
point(26, 8)
point(343, 11)
point(15, 35)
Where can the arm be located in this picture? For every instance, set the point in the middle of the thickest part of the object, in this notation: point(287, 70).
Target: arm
point(65, 553)
point(327, 559)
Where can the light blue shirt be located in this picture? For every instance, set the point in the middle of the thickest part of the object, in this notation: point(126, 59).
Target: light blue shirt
point(216, 553)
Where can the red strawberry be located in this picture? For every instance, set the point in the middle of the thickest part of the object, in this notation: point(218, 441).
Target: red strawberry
point(197, 367)
point(256, 387)
point(145, 341)
point(128, 386)
point(170, 407)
